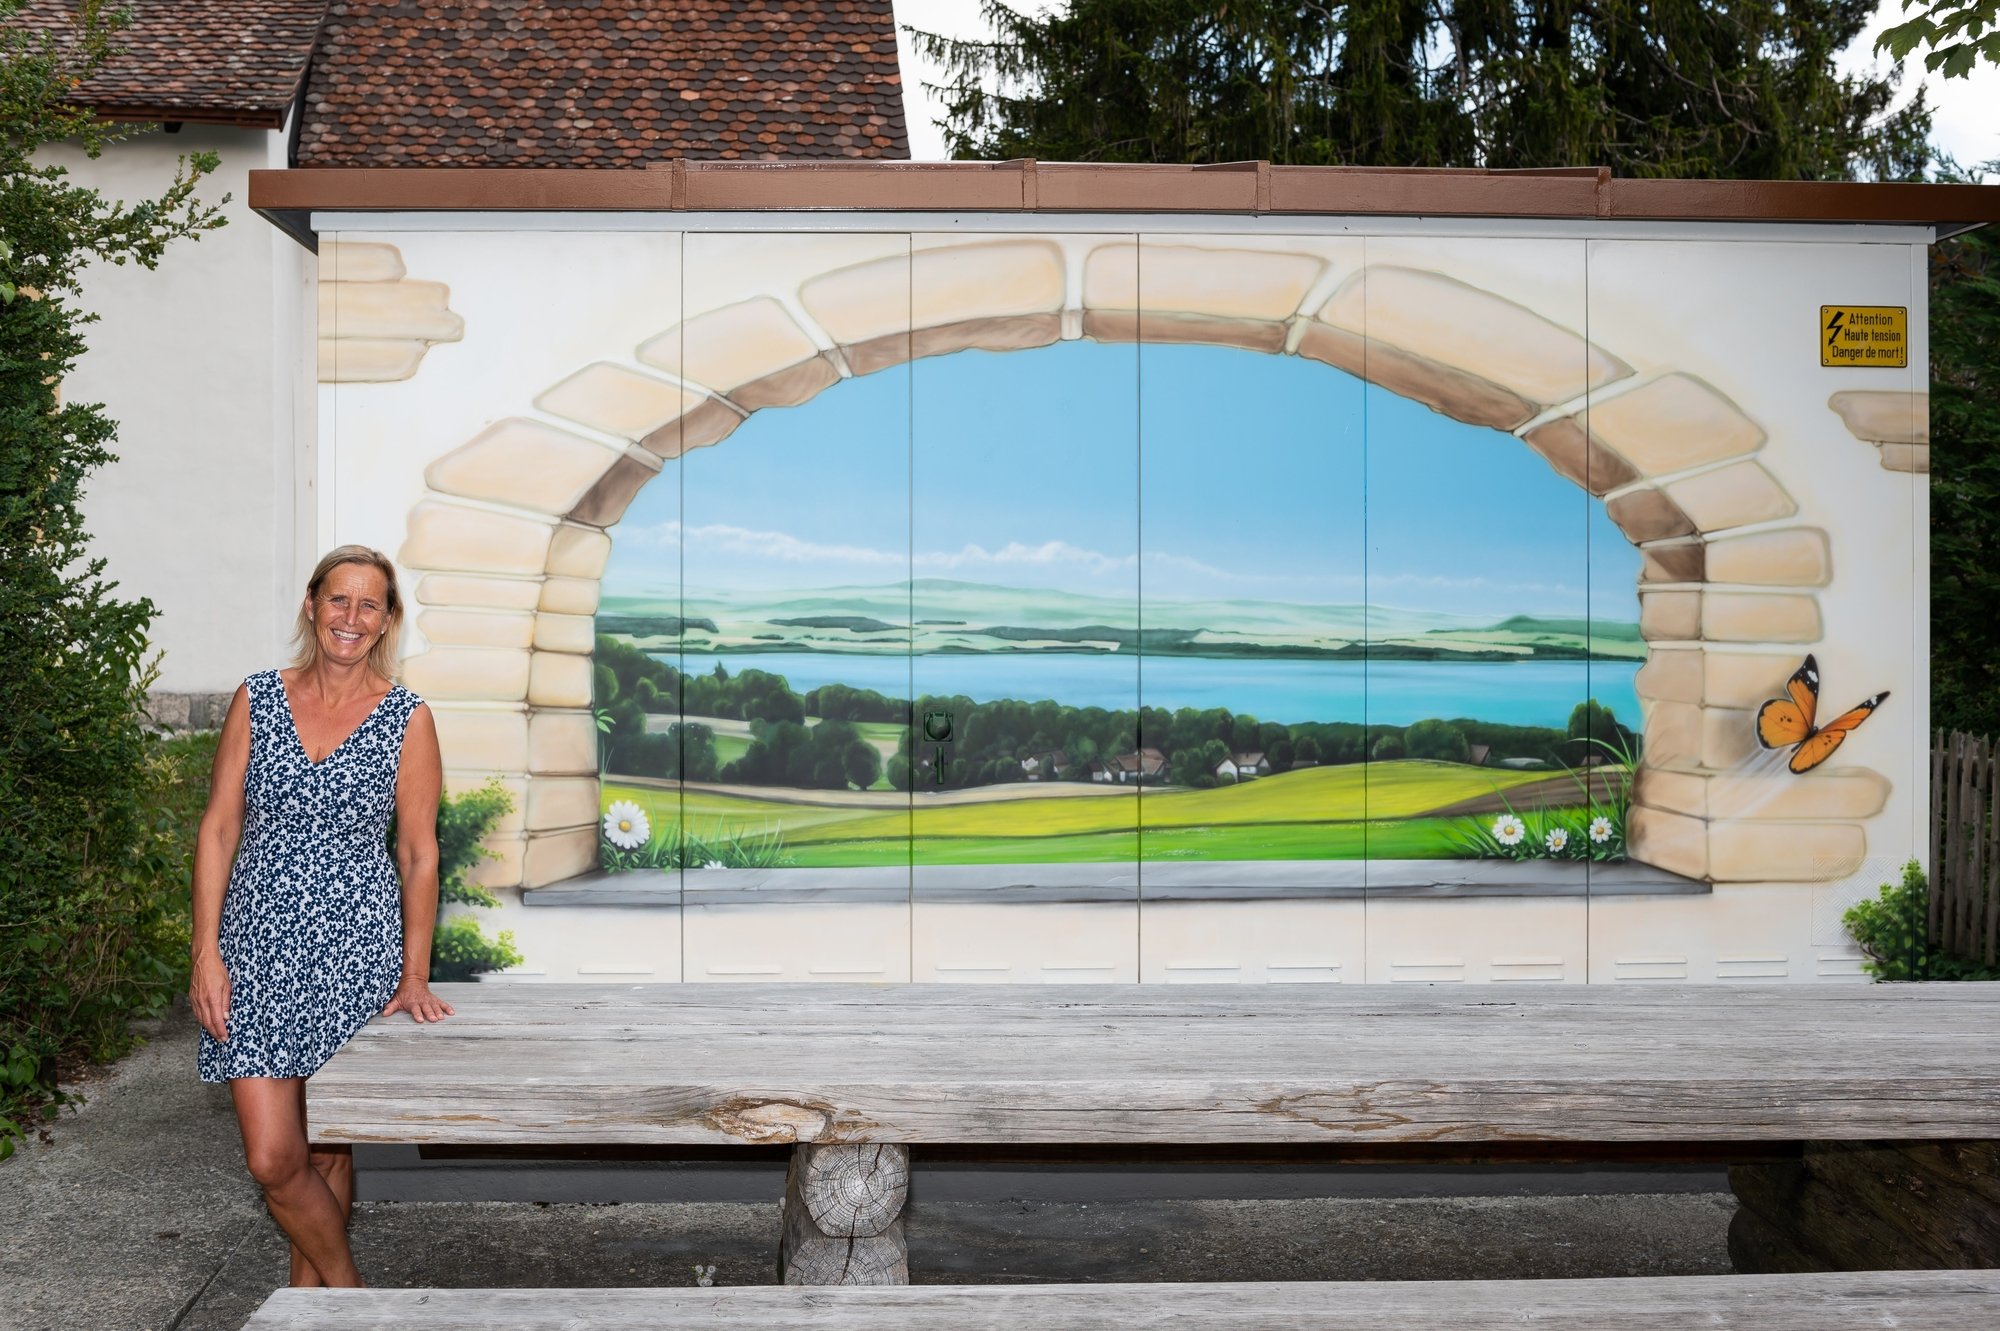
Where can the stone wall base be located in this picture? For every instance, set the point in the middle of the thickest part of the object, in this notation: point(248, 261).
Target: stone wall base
point(185, 713)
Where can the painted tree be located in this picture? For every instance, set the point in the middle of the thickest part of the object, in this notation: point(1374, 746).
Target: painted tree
point(82, 929)
point(1682, 88)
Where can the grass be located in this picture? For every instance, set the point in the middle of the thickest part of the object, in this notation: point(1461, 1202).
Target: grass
point(1349, 812)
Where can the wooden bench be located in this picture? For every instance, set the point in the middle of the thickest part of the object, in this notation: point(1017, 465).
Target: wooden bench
point(1882, 1103)
point(1934, 1300)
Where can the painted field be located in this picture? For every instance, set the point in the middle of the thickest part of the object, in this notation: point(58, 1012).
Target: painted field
point(1373, 810)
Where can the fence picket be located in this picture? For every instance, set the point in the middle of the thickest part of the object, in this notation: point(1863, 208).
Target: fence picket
point(1934, 865)
point(1989, 882)
point(1977, 834)
point(1954, 836)
point(1967, 820)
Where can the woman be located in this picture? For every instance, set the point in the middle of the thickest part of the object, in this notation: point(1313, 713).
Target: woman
point(299, 937)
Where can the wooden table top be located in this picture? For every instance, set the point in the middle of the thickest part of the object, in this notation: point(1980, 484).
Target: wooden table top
point(1213, 1064)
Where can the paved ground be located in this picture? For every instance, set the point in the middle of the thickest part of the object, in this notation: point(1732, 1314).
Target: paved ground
point(139, 1216)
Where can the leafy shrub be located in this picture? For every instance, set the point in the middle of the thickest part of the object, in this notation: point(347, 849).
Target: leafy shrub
point(460, 949)
point(1893, 931)
point(111, 949)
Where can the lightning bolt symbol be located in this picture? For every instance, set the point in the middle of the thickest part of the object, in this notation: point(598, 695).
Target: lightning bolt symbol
point(1833, 326)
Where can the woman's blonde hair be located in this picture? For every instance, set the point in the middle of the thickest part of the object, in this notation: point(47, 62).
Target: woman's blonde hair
point(382, 656)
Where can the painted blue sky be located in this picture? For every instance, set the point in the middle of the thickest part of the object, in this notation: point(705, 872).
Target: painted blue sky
point(1207, 472)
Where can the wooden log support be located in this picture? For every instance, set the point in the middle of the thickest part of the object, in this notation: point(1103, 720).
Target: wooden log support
point(1862, 1206)
point(843, 1220)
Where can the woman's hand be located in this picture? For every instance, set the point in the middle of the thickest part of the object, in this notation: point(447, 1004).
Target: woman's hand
point(414, 996)
point(208, 994)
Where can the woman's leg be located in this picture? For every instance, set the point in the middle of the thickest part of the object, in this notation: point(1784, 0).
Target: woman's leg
point(335, 1164)
point(269, 1110)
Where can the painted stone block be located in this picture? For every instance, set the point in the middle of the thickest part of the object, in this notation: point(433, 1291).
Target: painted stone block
point(485, 674)
point(523, 463)
point(1732, 496)
point(559, 679)
point(1798, 557)
point(1446, 321)
point(1673, 423)
point(452, 538)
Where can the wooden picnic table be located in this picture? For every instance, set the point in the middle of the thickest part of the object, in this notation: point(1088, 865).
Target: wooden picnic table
point(853, 1075)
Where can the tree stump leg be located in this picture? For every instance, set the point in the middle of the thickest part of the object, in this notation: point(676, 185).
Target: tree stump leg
point(843, 1222)
point(1869, 1206)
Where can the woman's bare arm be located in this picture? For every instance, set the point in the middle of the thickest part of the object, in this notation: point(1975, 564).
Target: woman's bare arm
point(214, 854)
point(419, 782)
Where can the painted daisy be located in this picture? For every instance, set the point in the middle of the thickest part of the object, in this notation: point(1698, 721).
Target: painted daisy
point(1557, 838)
point(625, 825)
point(1600, 830)
point(1509, 830)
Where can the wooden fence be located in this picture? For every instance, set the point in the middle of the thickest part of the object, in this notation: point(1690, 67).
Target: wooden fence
point(1965, 846)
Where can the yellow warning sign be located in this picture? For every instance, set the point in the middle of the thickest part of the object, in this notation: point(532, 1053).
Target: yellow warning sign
point(1864, 335)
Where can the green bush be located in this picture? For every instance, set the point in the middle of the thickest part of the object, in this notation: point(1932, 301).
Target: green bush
point(1894, 933)
point(112, 949)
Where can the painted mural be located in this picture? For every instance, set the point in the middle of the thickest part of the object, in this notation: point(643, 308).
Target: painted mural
point(1352, 591)
point(1105, 653)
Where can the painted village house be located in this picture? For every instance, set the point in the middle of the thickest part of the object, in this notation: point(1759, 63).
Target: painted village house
point(706, 479)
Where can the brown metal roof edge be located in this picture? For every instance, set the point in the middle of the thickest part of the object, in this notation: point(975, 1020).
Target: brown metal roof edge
point(1030, 186)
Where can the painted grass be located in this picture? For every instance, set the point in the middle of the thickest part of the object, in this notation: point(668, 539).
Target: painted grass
point(1317, 795)
point(1407, 839)
point(1314, 814)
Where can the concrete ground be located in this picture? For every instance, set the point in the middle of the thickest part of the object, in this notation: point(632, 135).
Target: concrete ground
point(138, 1215)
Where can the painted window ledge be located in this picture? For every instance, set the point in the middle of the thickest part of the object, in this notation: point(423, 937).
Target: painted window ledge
point(1234, 880)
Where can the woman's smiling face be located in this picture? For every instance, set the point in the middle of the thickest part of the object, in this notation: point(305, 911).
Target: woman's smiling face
point(349, 613)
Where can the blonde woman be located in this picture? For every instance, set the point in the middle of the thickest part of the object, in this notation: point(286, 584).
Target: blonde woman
point(301, 931)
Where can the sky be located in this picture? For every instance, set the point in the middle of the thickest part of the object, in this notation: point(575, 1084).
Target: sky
point(1967, 123)
point(1086, 466)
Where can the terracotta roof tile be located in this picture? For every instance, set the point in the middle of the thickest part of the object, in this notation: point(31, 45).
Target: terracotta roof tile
point(235, 61)
point(602, 82)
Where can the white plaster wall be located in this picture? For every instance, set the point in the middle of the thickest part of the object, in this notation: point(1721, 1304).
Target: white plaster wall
point(203, 364)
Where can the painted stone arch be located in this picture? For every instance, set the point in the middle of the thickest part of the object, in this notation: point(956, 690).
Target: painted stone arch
point(510, 541)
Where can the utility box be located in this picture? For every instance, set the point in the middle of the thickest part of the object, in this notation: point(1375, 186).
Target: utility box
point(1034, 573)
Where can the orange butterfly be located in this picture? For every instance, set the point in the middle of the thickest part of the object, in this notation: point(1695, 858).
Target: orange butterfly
point(1789, 720)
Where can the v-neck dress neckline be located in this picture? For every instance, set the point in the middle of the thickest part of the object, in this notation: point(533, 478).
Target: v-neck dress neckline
point(292, 719)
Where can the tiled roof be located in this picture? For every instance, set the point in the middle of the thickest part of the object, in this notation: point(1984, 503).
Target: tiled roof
point(602, 82)
point(225, 61)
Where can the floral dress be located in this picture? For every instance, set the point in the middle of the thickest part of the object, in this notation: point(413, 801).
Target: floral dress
point(312, 924)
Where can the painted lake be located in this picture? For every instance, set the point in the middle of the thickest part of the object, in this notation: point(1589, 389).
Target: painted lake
point(1522, 693)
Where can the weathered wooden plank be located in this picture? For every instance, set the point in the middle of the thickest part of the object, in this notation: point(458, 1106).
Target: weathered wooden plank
point(1936, 1300)
point(923, 1063)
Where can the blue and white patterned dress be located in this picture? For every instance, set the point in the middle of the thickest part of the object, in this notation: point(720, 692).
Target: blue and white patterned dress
point(312, 925)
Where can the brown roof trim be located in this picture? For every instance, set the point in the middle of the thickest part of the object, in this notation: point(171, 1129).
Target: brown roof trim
point(1056, 187)
point(263, 118)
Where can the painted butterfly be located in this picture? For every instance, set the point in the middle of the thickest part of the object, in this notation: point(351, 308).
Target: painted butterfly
point(1789, 720)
